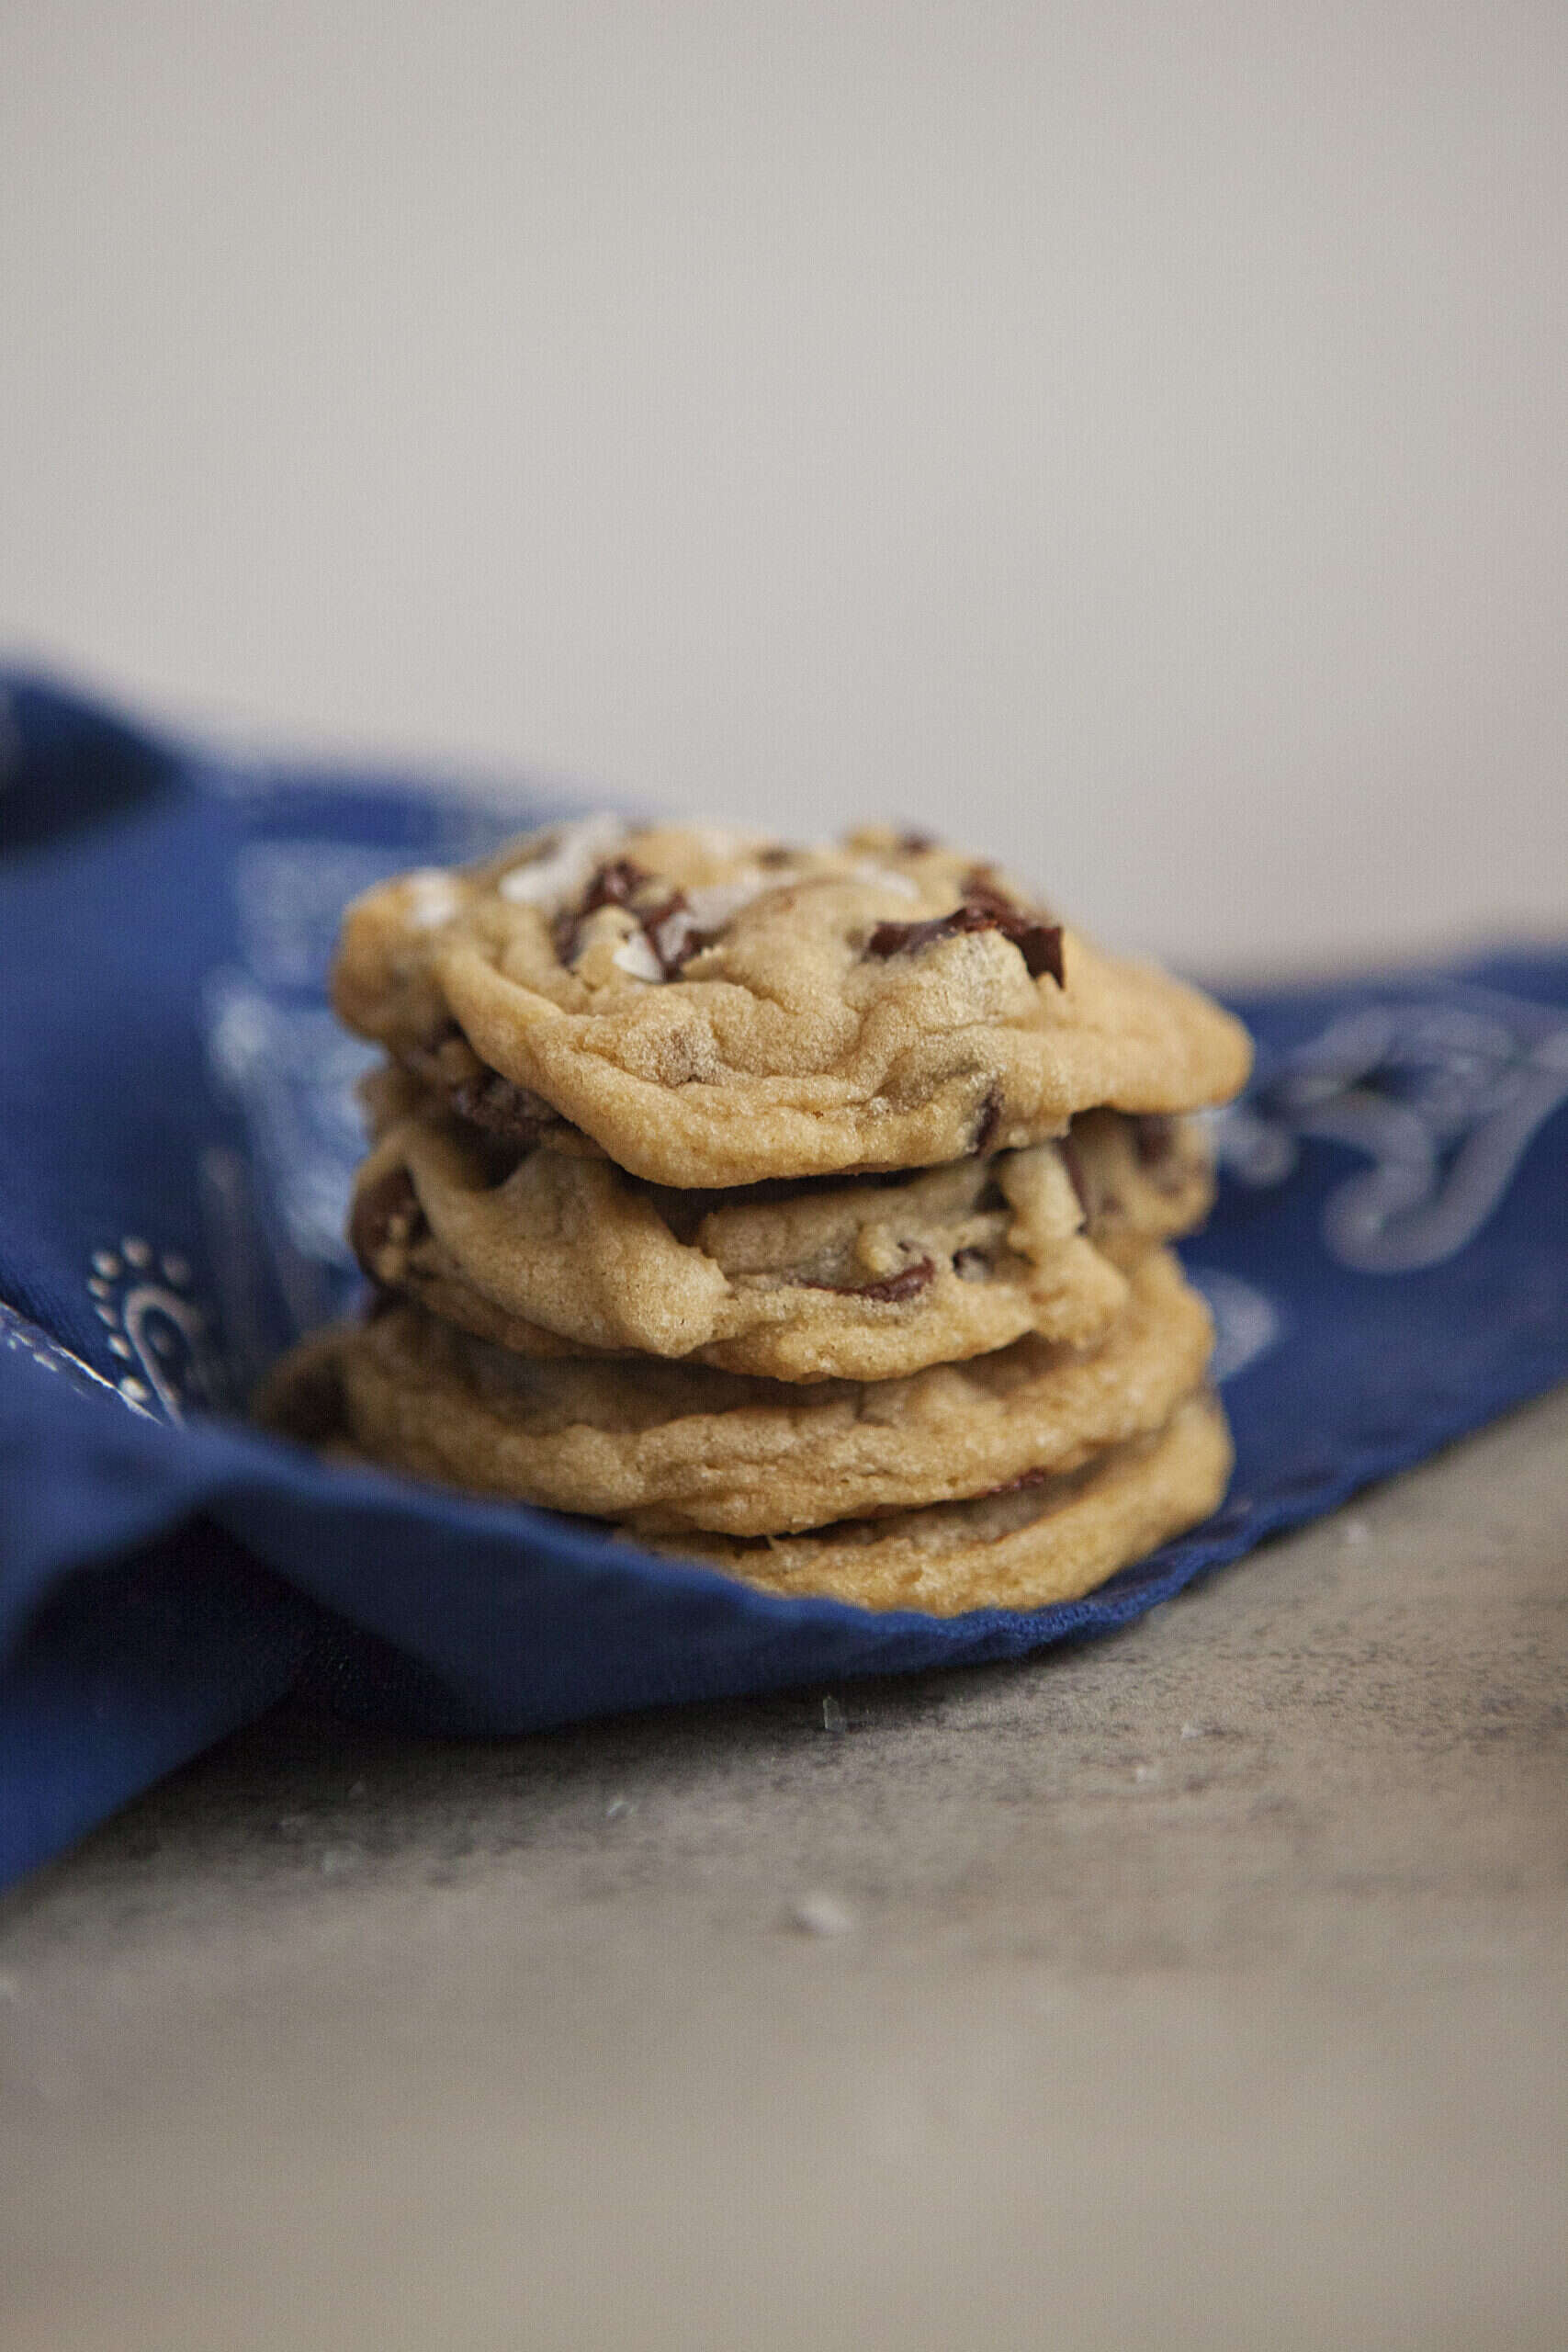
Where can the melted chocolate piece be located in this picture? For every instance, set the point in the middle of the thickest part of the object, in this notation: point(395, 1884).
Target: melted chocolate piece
point(989, 1120)
point(1039, 943)
point(907, 1282)
point(312, 1410)
point(614, 885)
point(915, 844)
point(423, 1058)
point(1154, 1137)
point(387, 1214)
point(671, 934)
point(1157, 1141)
point(981, 889)
point(971, 1265)
point(1012, 1485)
point(666, 923)
point(514, 1114)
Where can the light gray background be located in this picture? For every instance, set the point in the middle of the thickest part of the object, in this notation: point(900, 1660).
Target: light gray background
point(1133, 436)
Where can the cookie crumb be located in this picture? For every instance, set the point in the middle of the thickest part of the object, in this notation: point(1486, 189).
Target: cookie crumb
point(819, 1914)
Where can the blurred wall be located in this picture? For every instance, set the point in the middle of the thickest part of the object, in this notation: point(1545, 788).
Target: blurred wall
point(1130, 437)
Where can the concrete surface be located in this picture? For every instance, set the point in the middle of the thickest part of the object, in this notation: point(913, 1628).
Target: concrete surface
point(1202, 1987)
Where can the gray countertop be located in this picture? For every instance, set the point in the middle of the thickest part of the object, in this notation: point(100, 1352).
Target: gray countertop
point(1202, 1985)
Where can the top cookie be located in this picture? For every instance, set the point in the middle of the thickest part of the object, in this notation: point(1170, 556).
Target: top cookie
point(715, 1009)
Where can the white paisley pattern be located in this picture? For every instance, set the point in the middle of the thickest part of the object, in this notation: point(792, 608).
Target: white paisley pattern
point(275, 1214)
point(1248, 1323)
point(155, 1329)
point(1442, 1092)
point(21, 1336)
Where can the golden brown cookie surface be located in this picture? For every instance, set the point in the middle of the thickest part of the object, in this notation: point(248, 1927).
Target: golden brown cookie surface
point(713, 1009)
point(1020, 1550)
point(858, 1279)
point(669, 1446)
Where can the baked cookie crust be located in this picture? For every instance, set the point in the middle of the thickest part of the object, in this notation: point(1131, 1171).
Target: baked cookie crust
point(554, 1253)
point(715, 1009)
point(667, 1447)
point(1023, 1550)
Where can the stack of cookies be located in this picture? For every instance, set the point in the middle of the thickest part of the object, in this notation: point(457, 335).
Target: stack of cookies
point(805, 1212)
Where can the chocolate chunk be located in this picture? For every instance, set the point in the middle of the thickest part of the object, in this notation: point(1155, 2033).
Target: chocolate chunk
point(434, 1057)
point(1039, 943)
point(915, 844)
point(1154, 1137)
point(989, 1120)
point(310, 1406)
point(775, 854)
point(671, 933)
point(514, 1114)
point(971, 1265)
point(1158, 1140)
point(614, 885)
point(907, 1282)
point(1013, 1486)
point(386, 1222)
point(909, 938)
point(667, 923)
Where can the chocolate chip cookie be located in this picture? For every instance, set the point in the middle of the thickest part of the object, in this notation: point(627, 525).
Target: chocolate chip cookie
point(713, 1009)
point(666, 1447)
point(1021, 1549)
point(550, 1253)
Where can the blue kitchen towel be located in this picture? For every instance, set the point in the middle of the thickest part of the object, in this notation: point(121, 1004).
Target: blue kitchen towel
point(1388, 1266)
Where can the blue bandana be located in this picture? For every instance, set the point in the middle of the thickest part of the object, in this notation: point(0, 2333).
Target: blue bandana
point(1388, 1266)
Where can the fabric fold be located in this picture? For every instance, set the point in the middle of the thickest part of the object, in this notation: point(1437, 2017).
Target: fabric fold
point(1387, 1266)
